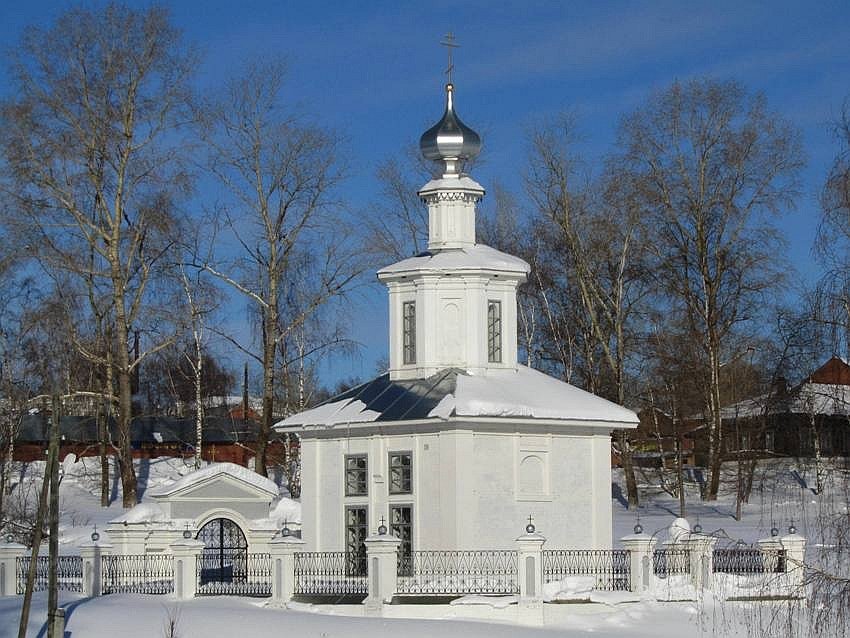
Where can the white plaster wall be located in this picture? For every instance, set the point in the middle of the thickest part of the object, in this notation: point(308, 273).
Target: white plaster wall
point(451, 322)
point(467, 488)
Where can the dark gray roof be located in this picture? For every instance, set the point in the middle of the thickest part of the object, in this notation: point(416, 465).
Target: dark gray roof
point(34, 428)
point(402, 399)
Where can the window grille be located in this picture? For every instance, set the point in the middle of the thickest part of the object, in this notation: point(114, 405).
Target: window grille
point(400, 472)
point(409, 331)
point(768, 441)
point(356, 530)
point(401, 526)
point(356, 475)
point(494, 331)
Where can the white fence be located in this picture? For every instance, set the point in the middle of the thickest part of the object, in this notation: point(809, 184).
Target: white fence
point(678, 570)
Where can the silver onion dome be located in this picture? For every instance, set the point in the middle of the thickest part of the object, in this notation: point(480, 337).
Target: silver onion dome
point(450, 140)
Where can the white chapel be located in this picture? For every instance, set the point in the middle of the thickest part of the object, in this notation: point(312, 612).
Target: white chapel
point(457, 444)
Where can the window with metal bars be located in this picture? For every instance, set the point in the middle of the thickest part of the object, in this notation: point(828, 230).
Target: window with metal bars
point(408, 330)
point(356, 530)
point(356, 475)
point(401, 526)
point(401, 466)
point(494, 331)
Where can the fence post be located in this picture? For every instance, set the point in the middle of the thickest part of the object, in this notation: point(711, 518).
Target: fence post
point(91, 553)
point(530, 569)
point(640, 547)
point(382, 560)
point(795, 550)
point(185, 553)
point(701, 555)
point(283, 550)
point(9, 554)
point(770, 548)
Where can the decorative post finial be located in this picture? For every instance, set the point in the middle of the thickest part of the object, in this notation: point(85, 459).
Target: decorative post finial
point(529, 529)
point(448, 41)
point(382, 528)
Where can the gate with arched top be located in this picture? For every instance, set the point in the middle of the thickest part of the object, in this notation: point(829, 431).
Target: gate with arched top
point(226, 567)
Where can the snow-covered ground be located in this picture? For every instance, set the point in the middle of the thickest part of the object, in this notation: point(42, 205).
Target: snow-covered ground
point(782, 493)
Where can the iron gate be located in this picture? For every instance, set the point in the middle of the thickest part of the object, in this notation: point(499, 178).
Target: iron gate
point(226, 567)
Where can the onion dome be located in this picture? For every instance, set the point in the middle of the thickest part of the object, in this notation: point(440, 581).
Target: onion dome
point(450, 141)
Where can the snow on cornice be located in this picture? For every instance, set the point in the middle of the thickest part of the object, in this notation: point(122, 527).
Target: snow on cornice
point(204, 474)
point(477, 257)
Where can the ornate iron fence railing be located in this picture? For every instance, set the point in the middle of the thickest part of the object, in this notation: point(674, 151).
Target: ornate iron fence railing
point(69, 573)
point(329, 574)
point(137, 574)
point(748, 560)
point(457, 573)
point(610, 567)
point(239, 574)
point(667, 562)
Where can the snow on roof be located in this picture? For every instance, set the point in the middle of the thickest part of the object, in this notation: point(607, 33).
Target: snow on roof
point(520, 393)
point(206, 473)
point(477, 257)
point(143, 513)
point(807, 398)
point(525, 392)
point(286, 510)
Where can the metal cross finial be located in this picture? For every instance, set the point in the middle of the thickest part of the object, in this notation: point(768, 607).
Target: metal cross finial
point(448, 41)
point(530, 519)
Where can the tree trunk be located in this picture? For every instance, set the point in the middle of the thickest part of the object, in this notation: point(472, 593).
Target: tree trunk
point(125, 451)
point(818, 454)
point(628, 468)
point(715, 458)
point(102, 429)
point(199, 405)
point(680, 479)
point(53, 547)
point(38, 533)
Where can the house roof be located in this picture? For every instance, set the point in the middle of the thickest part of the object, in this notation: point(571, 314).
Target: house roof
point(826, 391)
point(83, 429)
point(827, 399)
point(520, 393)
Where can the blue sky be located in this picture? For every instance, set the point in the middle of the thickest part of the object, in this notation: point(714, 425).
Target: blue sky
point(373, 73)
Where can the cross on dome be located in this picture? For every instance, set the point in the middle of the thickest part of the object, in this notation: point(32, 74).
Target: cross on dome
point(450, 141)
point(449, 43)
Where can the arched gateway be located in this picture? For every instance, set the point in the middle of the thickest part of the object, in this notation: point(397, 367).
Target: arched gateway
point(229, 509)
point(225, 555)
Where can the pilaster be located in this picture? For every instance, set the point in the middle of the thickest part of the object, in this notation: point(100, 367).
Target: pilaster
point(9, 554)
point(283, 550)
point(640, 547)
point(382, 558)
point(530, 569)
point(92, 553)
point(701, 550)
point(795, 550)
point(185, 553)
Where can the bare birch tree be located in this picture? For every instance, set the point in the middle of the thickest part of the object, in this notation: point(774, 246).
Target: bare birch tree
point(294, 252)
point(599, 237)
point(710, 166)
point(93, 164)
point(833, 242)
